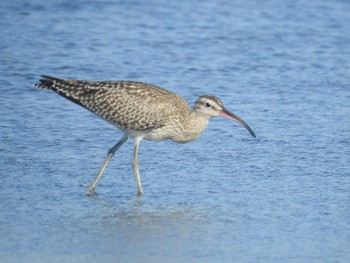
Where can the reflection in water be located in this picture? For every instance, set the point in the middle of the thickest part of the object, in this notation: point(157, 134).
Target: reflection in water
point(141, 225)
point(139, 211)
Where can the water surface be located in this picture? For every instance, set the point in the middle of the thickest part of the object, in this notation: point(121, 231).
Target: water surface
point(226, 197)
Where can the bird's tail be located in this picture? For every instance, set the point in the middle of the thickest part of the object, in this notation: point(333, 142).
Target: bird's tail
point(47, 82)
point(74, 90)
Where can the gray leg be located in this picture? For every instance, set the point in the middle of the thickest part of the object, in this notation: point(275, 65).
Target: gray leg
point(109, 156)
point(135, 164)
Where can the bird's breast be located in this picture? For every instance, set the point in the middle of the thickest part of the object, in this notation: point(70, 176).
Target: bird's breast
point(166, 132)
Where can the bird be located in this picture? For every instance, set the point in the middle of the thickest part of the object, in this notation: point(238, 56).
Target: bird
point(142, 112)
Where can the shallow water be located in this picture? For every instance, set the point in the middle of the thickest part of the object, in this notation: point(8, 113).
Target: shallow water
point(226, 197)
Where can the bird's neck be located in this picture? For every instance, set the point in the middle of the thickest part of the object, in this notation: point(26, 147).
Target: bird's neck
point(195, 124)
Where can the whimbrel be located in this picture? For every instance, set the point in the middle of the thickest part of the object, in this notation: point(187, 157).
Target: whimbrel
point(141, 111)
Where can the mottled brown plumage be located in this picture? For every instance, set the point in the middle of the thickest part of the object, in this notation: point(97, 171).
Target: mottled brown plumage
point(141, 110)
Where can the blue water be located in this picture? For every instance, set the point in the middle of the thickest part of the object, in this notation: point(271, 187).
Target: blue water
point(283, 66)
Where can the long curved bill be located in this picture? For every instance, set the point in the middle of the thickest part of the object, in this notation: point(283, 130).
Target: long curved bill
point(229, 115)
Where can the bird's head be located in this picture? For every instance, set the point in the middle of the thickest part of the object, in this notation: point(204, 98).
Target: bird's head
point(210, 106)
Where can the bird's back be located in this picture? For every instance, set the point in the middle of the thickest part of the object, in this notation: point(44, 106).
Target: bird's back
point(129, 105)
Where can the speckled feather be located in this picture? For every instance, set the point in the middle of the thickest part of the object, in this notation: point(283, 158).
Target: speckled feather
point(127, 104)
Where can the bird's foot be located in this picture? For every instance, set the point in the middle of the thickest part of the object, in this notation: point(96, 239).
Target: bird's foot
point(91, 190)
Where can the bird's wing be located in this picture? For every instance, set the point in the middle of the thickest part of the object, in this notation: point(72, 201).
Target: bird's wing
point(127, 104)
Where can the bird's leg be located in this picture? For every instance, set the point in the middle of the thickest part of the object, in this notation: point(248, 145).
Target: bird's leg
point(135, 164)
point(109, 156)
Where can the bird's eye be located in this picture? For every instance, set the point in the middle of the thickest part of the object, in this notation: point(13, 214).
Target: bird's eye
point(208, 104)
